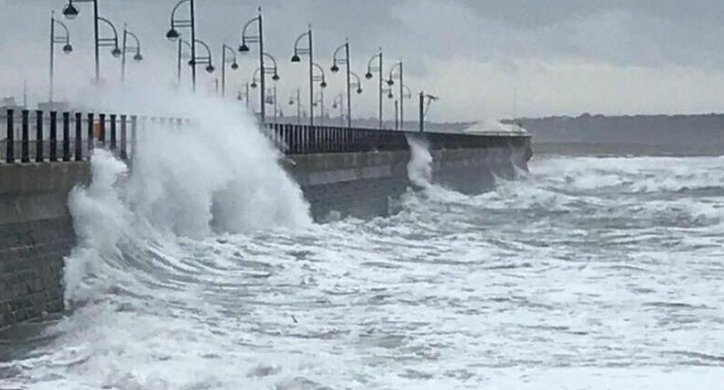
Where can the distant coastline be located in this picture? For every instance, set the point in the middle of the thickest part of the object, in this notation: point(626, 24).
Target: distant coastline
point(627, 135)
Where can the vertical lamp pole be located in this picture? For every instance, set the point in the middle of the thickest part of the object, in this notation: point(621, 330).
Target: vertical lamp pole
point(309, 50)
point(137, 48)
point(181, 42)
point(322, 78)
point(54, 39)
point(259, 76)
point(344, 61)
point(391, 82)
point(234, 66)
point(173, 34)
point(243, 48)
point(371, 68)
point(296, 99)
point(71, 12)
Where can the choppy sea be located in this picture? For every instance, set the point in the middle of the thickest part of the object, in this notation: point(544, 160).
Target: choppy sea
point(585, 273)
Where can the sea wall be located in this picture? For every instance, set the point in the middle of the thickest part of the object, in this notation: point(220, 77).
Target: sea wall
point(36, 230)
point(361, 184)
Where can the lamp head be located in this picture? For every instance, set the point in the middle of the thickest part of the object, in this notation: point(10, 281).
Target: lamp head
point(243, 48)
point(390, 95)
point(275, 77)
point(234, 65)
point(335, 68)
point(172, 35)
point(359, 91)
point(295, 58)
point(334, 105)
point(253, 84)
point(138, 57)
point(291, 102)
point(390, 82)
point(323, 84)
point(210, 68)
point(116, 52)
point(368, 76)
point(191, 62)
point(68, 48)
point(70, 11)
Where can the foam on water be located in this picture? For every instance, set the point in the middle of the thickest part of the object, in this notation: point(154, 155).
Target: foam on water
point(202, 271)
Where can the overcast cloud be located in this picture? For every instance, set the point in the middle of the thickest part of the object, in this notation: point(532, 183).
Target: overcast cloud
point(562, 56)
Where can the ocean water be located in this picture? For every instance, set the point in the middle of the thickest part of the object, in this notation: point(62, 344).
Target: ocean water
point(586, 273)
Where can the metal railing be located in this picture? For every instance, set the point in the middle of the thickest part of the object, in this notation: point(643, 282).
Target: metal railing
point(38, 136)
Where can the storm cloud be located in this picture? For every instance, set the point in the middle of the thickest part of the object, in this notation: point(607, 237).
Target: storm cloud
point(562, 56)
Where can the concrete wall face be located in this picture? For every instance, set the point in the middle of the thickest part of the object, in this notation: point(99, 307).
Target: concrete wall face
point(36, 231)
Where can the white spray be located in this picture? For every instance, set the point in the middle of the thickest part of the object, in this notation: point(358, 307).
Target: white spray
point(219, 174)
point(419, 169)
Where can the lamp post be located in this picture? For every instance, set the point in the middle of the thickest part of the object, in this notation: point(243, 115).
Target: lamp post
point(224, 61)
point(379, 68)
point(243, 48)
point(424, 108)
point(181, 42)
point(70, 12)
point(296, 99)
point(339, 103)
point(190, 23)
point(207, 59)
point(137, 48)
point(259, 75)
point(391, 82)
point(322, 78)
point(319, 101)
point(55, 40)
point(336, 60)
point(309, 50)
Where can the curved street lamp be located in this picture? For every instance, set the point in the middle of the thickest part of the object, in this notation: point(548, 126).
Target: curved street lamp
point(391, 82)
point(137, 48)
point(173, 34)
point(377, 68)
point(258, 75)
point(338, 102)
point(181, 42)
point(224, 61)
point(296, 99)
point(207, 59)
point(70, 11)
point(243, 48)
point(56, 39)
point(309, 51)
point(337, 60)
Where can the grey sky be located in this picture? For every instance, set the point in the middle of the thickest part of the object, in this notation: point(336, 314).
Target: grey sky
point(563, 56)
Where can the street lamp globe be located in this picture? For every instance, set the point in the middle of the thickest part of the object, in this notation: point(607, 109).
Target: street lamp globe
point(68, 48)
point(390, 82)
point(210, 68)
point(275, 77)
point(172, 35)
point(368, 76)
point(138, 57)
point(335, 68)
point(243, 48)
point(234, 66)
point(70, 11)
point(390, 95)
point(295, 58)
point(359, 91)
point(191, 62)
point(291, 102)
point(323, 84)
point(116, 52)
point(253, 84)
